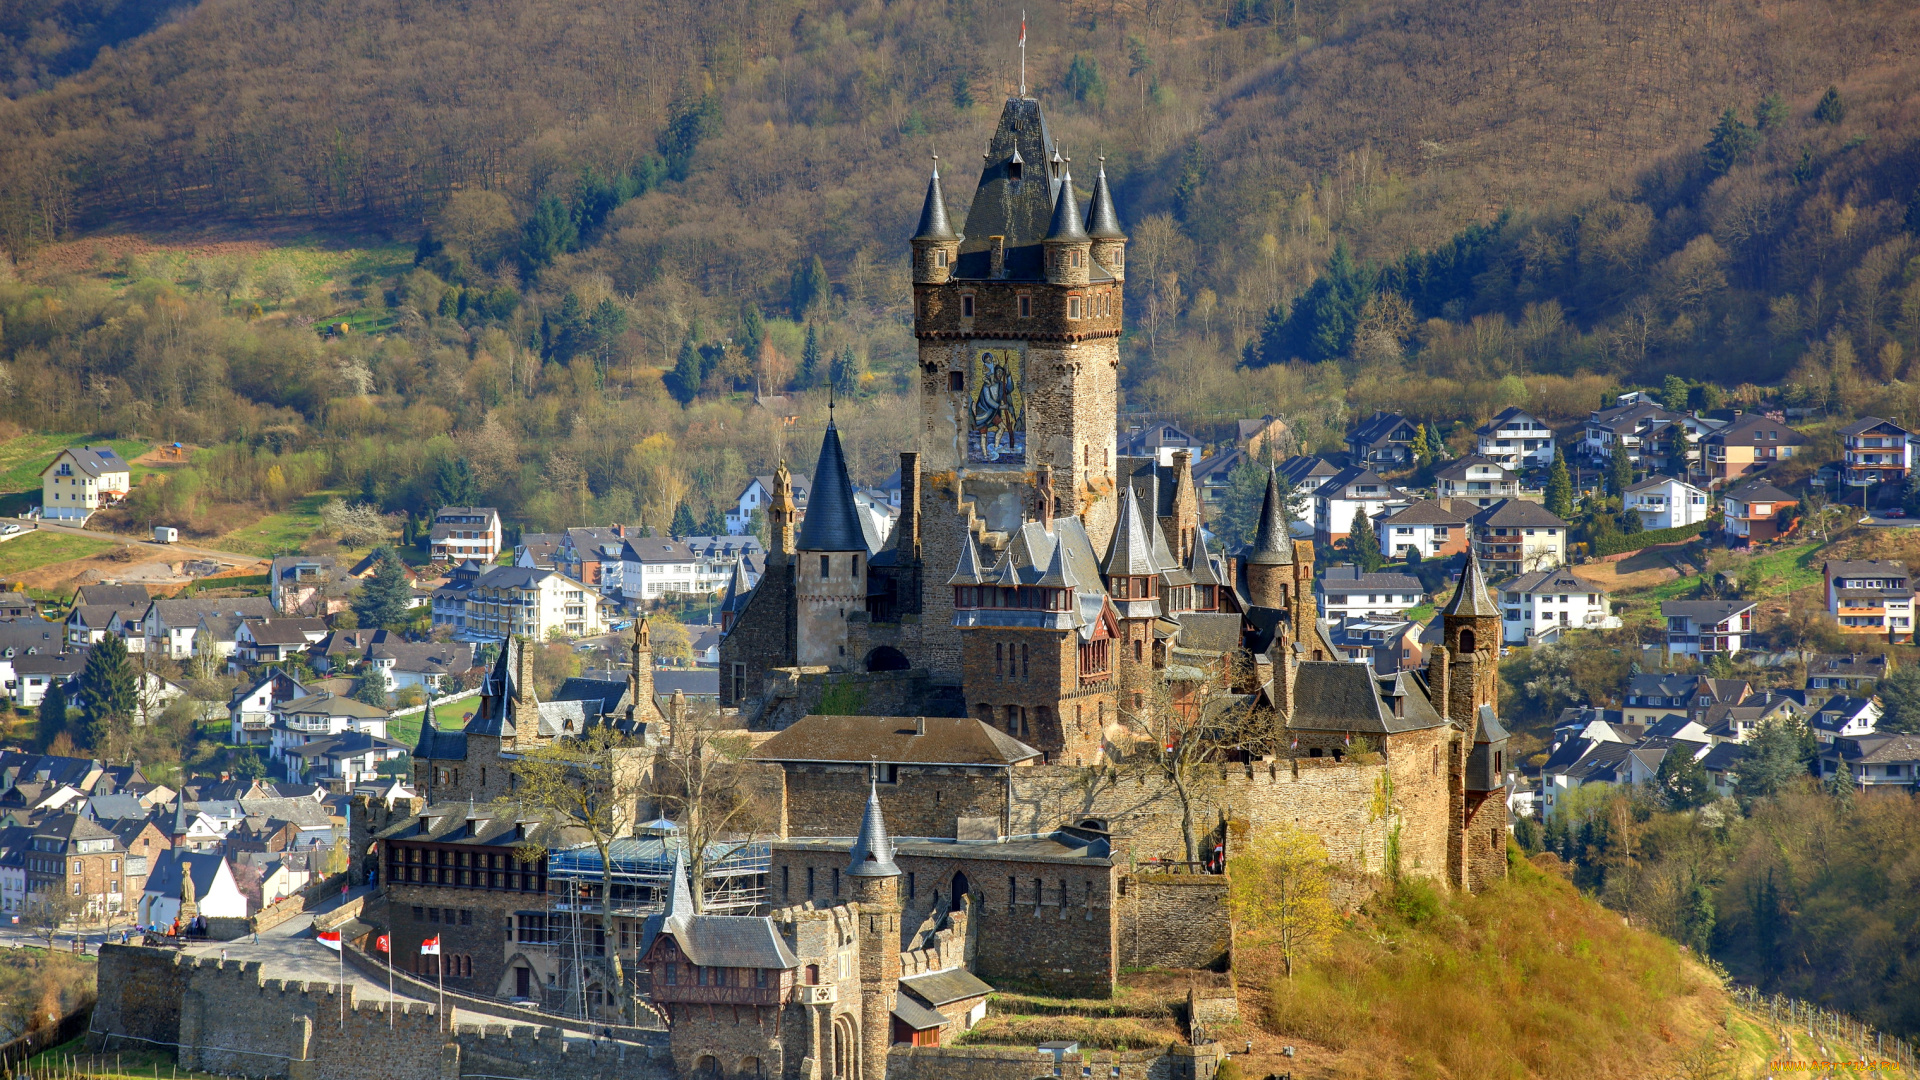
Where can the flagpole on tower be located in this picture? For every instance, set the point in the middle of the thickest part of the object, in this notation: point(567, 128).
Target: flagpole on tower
point(1023, 53)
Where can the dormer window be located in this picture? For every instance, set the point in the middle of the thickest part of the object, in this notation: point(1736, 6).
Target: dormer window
point(1014, 166)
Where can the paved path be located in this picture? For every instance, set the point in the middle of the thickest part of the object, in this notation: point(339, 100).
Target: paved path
point(158, 550)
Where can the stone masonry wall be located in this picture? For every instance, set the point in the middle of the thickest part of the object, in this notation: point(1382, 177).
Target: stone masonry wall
point(829, 800)
point(224, 1017)
point(1026, 682)
point(764, 637)
point(790, 693)
point(1174, 921)
point(994, 1063)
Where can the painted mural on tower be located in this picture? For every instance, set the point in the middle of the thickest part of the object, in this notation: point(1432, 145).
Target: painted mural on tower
point(998, 419)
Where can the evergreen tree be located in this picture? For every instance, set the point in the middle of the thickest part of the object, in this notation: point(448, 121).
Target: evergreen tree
point(683, 382)
point(1239, 519)
point(53, 714)
point(1832, 108)
point(962, 91)
point(810, 360)
point(1630, 523)
point(453, 483)
point(604, 327)
point(810, 286)
point(245, 763)
point(1673, 393)
point(1777, 755)
point(1682, 781)
point(109, 692)
point(683, 523)
point(1321, 324)
point(1910, 493)
point(1729, 144)
point(1084, 82)
point(382, 599)
point(549, 233)
point(715, 523)
point(1619, 471)
point(1362, 544)
point(1771, 112)
point(1560, 488)
point(753, 331)
point(847, 370)
point(1436, 443)
point(372, 689)
point(1899, 695)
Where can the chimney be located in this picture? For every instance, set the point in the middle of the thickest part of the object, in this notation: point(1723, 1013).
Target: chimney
point(919, 725)
point(908, 544)
point(640, 679)
point(1043, 484)
point(996, 256)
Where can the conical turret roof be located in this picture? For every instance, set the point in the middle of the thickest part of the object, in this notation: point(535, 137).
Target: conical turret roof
point(1103, 223)
point(832, 522)
point(969, 572)
point(497, 693)
point(873, 848)
point(680, 899)
point(1132, 549)
point(1055, 576)
point(933, 214)
point(1272, 546)
point(1200, 564)
point(1066, 226)
point(738, 588)
point(1471, 599)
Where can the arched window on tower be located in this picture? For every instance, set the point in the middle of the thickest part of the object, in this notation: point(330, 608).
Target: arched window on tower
point(1467, 641)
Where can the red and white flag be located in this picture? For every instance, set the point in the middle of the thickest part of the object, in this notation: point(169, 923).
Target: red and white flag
point(1023, 28)
point(431, 946)
point(329, 938)
point(383, 943)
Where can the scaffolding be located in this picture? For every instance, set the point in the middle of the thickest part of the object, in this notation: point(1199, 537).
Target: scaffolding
point(577, 929)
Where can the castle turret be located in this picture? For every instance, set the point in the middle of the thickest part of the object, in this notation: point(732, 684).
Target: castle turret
point(876, 889)
point(640, 706)
point(1068, 246)
point(1103, 227)
point(935, 244)
point(830, 575)
point(1270, 561)
point(780, 515)
point(1471, 632)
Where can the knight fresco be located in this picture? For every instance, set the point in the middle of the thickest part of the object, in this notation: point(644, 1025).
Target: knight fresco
point(997, 424)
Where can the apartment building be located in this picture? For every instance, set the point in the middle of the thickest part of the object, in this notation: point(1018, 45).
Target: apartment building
point(1516, 537)
point(1870, 597)
point(1515, 439)
point(466, 532)
point(1875, 451)
point(1347, 592)
point(506, 601)
point(1552, 600)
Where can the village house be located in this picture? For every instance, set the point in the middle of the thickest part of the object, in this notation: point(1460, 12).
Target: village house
point(755, 496)
point(184, 884)
point(1875, 451)
point(1515, 439)
point(1350, 491)
point(460, 533)
point(1856, 673)
point(273, 641)
point(1751, 442)
point(1475, 479)
point(1870, 597)
point(1701, 628)
point(169, 626)
point(1347, 592)
point(1877, 763)
point(82, 479)
point(1757, 512)
point(1665, 503)
point(1382, 441)
point(1516, 537)
point(1552, 600)
point(309, 585)
point(1430, 528)
point(517, 601)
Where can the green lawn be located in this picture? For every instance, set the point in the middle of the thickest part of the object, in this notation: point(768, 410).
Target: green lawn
point(278, 534)
point(405, 730)
point(22, 458)
point(37, 549)
point(1794, 568)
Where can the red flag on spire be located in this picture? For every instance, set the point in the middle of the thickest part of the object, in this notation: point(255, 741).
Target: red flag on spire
point(1023, 28)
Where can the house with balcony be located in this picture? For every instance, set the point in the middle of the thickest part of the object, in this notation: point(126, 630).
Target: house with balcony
point(1665, 503)
point(82, 479)
point(309, 585)
point(1870, 597)
point(508, 601)
point(1433, 528)
point(1627, 425)
point(1517, 537)
point(1751, 442)
point(1843, 717)
point(321, 716)
point(1701, 628)
point(1875, 451)
point(1382, 441)
point(1875, 763)
point(251, 710)
point(465, 532)
point(272, 641)
point(1351, 490)
point(1348, 592)
point(1477, 479)
point(1756, 512)
point(1515, 439)
point(1856, 673)
point(1552, 601)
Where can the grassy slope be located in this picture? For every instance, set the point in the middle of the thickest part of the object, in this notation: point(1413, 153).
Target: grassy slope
point(37, 549)
point(275, 534)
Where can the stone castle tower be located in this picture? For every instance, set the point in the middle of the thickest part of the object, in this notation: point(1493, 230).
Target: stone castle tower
point(876, 892)
point(1018, 319)
point(1469, 680)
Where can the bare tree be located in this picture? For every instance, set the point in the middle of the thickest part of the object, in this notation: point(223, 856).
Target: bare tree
point(1180, 736)
point(701, 778)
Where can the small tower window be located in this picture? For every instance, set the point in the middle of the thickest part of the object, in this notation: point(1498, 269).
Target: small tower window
point(966, 305)
point(1026, 307)
point(1073, 307)
point(956, 381)
point(940, 258)
point(1076, 259)
point(825, 566)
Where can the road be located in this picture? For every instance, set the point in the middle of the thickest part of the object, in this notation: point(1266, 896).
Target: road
point(191, 551)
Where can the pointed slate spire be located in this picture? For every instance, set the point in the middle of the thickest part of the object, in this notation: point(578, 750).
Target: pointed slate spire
point(1132, 550)
point(1273, 546)
point(429, 733)
point(680, 898)
point(738, 589)
point(1103, 223)
point(1055, 576)
point(833, 523)
point(873, 848)
point(1066, 226)
point(1200, 563)
point(969, 572)
point(1471, 599)
point(933, 214)
point(501, 687)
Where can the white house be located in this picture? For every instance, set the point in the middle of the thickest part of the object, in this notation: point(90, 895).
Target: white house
point(169, 626)
point(250, 711)
point(215, 893)
point(424, 664)
point(1477, 479)
point(1844, 717)
point(1348, 491)
point(319, 716)
point(465, 532)
point(652, 568)
point(531, 603)
point(354, 757)
point(33, 674)
point(1665, 503)
point(263, 641)
point(1700, 628)
point(82, 479)
point(1552, 599)
point(1872, 597)
point(757, 494)
point(1515, 439)
point(1431, 527)
point(1346, 592)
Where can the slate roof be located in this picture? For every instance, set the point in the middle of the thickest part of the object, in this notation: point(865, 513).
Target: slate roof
point(1503, 418)
point(1348, 577)
point(1704, 611)
point(447, 824)
point(949, 740)
point(348, 744)
point(832, 523)
point(1557, 580)
point(1724, 756)
point(1335, 695)
point(284, 631)
point(1877, 748)
point(1518, 512)
point(1754, 429)
point(1014, 198)
point(325, 703)
point(1471, 597)
point(909, 1011)
point(92, 460)
point(1657, 480)
point(133, 596)
point(1273, 544)
point(1458, 468)
point(938, 988)
point(1131, 550)
point(1375, 429)
point(1759, 491)
point(163, 879)
point(1431, 512)
point(1868, 423)
point(1307, 471)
